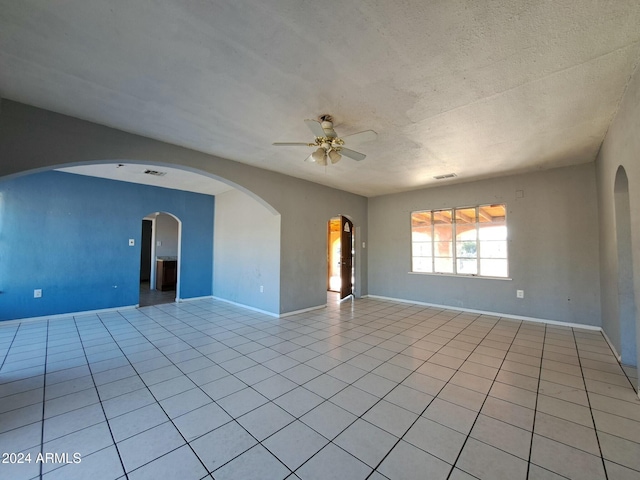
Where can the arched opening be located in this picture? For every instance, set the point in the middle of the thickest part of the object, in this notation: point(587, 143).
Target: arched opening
point(160, 251)
point(627, 310)
point(243, 274)
point(340, 256)
point(333, 255)
point(75, 263)
point(160, 174)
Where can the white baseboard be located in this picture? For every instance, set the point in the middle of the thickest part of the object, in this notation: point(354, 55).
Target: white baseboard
point(254, 309)
point(612, 347)
point(271, 314)
point(304, 310)
point(493, 314)
point(192, 299)
point(58, 316)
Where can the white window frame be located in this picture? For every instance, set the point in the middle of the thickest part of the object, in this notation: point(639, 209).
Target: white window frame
point(453, 241)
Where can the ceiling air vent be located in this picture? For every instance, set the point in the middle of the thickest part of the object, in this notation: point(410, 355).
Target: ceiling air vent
point(155, 173)
point(446, 175)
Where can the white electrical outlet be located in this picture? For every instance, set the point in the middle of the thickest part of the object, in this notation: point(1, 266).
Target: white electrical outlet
point(37, 293)
point(519, 293)
point(261, 288)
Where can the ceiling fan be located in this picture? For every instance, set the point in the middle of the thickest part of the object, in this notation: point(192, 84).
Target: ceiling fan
point(330, 146)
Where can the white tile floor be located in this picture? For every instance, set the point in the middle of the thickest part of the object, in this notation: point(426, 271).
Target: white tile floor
point(369, 389)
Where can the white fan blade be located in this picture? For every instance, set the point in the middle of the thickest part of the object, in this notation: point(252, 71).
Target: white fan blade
point(290, 144)
point(360, 137)
point(352, 154)
point(315, 127)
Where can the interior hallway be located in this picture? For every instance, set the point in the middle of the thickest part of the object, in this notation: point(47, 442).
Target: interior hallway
point(150, 297)
point(363, 389)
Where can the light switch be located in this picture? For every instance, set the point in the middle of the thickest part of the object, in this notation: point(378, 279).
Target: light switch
point(132, 242)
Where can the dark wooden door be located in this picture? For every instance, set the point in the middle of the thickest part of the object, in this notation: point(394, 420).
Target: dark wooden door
point(145, 251)
point(346, 257)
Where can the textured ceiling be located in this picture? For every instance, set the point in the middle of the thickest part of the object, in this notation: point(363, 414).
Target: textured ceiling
point(476, 88)
point(137, 173)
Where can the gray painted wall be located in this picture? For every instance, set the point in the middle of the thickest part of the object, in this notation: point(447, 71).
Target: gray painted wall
point(246, 252)
point(167, 235)
point(304, 243)
point(621, 147)
point(34, 140)
point(553, 246)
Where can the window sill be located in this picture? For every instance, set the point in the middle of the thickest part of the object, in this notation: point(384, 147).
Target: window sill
point(478, 277)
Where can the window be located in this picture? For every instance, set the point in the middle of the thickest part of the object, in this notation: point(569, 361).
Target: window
point(460, 241)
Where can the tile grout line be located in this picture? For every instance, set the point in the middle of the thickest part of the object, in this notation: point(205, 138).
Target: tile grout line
point(636, 388)
point(234, 418)
point(513, 340)
point(453, 466)
point(591, 409)
point(420, 414)
point(586, 391)
point(535, 409)
point(44, 391)
point(15, 335)
point(95, 386)
point(322, 373)
point(147, 387)
point(330, 441)
point(173, 363)
point(162, 408)
point(107, 383)
point(440, 390)
point(182, 328)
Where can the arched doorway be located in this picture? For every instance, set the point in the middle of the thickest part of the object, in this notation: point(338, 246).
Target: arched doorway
point(160, 253)
point(340, 266)
point(627, 311)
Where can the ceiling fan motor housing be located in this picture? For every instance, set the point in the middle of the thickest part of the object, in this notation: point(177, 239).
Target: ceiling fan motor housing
point(326, 122)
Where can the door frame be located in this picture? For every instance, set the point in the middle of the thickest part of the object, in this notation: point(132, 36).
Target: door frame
point(351, 250)
point(331, 259)
point(627, 308)
point(153, 274)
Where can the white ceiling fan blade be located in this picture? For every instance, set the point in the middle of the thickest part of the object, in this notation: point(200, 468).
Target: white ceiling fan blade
point(352, 154)
point(360, 137)
point(315, 127)
point(290, 144)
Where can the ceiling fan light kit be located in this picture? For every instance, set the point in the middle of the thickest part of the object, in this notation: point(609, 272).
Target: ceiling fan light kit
point(319, 155)
point(329, 144)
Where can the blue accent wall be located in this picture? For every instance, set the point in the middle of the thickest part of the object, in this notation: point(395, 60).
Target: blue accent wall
point(69, 236)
